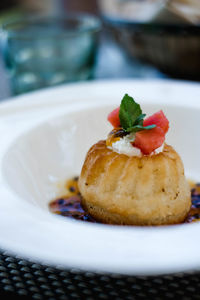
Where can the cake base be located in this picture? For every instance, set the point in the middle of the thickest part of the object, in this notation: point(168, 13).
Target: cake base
point(147, 190)
point(103, 216)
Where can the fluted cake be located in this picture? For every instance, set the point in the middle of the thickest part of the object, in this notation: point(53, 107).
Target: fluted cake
point(135, 189)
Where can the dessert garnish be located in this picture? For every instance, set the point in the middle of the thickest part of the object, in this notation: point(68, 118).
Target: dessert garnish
point(129, 116)
point(130, 127)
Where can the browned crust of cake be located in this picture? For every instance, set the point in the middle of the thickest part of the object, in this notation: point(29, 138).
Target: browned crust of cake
point(147, 190)
point(104, 216)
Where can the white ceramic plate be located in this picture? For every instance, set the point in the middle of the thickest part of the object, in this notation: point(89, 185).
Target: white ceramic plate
point(44, 139)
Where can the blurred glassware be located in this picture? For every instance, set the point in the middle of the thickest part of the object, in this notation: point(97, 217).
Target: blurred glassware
point(46, 51)
point(163, 33)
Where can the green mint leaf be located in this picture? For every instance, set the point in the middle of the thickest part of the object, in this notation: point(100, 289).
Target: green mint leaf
point(131, 116)
point(139, 120)
point(149, 127)
point(137, 128)
point(129, 112)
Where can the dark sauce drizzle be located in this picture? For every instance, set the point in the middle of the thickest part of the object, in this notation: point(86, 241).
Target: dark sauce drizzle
point(70, 204)
point(194, 213)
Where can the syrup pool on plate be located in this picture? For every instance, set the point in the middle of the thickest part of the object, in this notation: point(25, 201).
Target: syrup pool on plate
point(69, 205)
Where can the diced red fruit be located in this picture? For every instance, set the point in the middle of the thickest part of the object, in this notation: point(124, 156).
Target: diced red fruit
point(149, 140)
point(159, 119)
point(113, 118)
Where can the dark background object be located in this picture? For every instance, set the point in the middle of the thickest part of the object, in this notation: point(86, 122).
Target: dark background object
point(6, 4)
point(67, 5)
point(173, 49)
point(171, 44)
point(89, 6)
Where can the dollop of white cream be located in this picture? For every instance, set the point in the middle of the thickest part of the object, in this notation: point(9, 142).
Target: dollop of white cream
point(158, 150)
point(124, 146)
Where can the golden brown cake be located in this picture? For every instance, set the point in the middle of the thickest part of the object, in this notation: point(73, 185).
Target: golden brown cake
point(147, 190)
point(134, 177)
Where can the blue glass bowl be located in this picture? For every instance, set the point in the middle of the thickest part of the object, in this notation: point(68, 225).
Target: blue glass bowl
point(47, 51)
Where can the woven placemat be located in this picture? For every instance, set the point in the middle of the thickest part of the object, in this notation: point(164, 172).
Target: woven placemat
point(31, 280)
